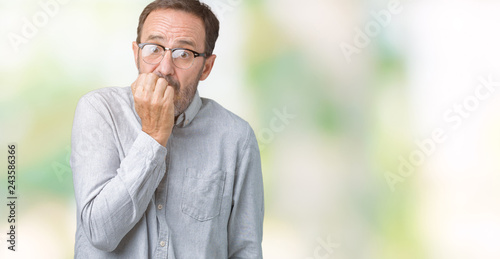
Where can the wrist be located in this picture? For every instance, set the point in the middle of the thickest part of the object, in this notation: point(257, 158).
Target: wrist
point(160, 138)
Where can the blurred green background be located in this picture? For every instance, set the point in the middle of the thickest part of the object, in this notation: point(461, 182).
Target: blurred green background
point(354, 170)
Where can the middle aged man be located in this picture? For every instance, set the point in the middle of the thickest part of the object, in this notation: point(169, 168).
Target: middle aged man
point(158, 171)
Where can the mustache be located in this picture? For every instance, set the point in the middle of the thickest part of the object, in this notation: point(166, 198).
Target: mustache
point(171, 81)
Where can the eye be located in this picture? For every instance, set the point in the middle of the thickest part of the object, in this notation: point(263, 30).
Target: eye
point(155, 49)
point(152, 50)
point(182, 54)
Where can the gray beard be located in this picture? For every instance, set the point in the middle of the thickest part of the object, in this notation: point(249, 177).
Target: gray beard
point(183, 96)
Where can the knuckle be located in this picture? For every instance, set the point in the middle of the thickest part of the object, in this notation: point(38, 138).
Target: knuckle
point(162, 81)
point(152, 76)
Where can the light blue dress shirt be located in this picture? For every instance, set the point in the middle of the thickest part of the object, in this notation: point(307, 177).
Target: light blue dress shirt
point(200, 197)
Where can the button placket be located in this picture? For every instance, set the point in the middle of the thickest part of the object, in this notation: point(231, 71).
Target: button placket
point(161, 198)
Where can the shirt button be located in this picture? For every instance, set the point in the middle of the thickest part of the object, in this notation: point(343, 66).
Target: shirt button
point(162, 243)
point(160, 207)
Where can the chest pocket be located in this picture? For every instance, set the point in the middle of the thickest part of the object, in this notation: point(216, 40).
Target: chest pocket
point(202, 193)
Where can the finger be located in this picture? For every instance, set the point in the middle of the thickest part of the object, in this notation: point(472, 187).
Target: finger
point(139, 84)
point(161, 86)
point(169, 93)
point(150, 83)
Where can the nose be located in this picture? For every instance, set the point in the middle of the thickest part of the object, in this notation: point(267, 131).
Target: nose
point(166, 66)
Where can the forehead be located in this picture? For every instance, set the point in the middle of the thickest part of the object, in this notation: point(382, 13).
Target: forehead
point(170, 26)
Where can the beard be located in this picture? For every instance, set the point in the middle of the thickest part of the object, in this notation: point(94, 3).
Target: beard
point(182, 95)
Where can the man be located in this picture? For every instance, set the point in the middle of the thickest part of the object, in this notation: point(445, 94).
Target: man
point(158, 171)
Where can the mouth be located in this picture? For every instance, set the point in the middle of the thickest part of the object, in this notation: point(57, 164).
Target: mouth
point(172, 82)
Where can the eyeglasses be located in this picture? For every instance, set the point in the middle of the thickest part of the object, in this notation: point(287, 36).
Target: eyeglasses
point(183, 58)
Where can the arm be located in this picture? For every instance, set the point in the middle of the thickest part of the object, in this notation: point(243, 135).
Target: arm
point(247, 214)
point(111, 195)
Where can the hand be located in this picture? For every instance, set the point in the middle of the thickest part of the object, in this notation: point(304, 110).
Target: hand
point(154, 103)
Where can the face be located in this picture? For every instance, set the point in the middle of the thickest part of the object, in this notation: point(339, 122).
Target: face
point(176, 29)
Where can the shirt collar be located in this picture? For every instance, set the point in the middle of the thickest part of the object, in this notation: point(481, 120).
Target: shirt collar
point(188, 115)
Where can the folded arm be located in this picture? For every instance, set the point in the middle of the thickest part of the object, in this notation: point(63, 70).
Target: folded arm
point(111, 195)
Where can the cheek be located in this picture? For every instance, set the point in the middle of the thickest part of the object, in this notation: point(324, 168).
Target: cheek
point(193, 74)
point(146, 68)
point(183, 78)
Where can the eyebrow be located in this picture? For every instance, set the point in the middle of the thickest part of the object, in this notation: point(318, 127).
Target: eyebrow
point(161, 38)
point(186, 42)
point(155, 37)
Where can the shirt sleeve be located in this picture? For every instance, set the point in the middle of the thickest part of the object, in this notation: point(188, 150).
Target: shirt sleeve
point(111, 195)
point(247, 213)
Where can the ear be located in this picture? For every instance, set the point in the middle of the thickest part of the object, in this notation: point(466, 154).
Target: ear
point(207, 68)
point(135, 48)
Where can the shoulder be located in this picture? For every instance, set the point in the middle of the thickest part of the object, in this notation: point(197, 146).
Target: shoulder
point(216, 112)
point(108, 95)
point(226, 122)
point(106, 101)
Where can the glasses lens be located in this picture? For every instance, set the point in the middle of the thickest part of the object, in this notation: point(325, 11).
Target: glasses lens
point(183, 58)
point(152, 54)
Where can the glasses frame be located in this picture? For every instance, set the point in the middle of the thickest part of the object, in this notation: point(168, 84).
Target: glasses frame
point(195, 54)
